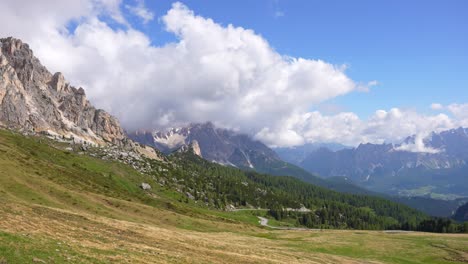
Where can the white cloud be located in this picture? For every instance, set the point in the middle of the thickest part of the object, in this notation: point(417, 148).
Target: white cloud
point(141, 11)
point(283, 137)
point(417, 146)
point(225, 74)
point(394, 125)
point(436, 106)
point(459, 110)
point(366, 87)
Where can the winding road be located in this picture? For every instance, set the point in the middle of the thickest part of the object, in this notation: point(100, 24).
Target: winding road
point(264, 222)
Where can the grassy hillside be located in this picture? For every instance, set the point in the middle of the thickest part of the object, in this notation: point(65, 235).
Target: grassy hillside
point(330, 209)
point(282, 168)
point(57, 206)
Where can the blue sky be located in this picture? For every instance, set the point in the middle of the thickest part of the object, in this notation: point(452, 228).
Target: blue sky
point(416, 50)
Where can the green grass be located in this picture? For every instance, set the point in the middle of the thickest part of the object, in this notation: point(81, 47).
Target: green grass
point(24, 248)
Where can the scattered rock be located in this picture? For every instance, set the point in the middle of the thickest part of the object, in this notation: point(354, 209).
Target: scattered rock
point(190, 196)
point(38, 260)
point(145, 186)
point(230, 207)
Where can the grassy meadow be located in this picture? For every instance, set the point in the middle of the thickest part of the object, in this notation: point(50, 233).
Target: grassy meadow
point(60, 207)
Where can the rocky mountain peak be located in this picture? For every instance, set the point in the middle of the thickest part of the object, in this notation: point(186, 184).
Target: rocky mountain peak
point(32, 99)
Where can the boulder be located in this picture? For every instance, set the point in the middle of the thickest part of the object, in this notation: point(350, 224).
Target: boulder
point(145, 186)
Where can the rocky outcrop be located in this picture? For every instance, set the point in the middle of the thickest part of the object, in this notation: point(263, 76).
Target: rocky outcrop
point(145, 186)
point(34, 100)
point(193, 147)
point(196, 148)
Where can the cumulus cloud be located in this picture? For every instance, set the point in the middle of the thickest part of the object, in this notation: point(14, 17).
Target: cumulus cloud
point(141, 11)
point(459, 110)
point(229, 75)
point(394, 125)
point(225, 74)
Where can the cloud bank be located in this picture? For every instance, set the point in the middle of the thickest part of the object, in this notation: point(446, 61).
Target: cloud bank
point(225, 74)
point(347, 128)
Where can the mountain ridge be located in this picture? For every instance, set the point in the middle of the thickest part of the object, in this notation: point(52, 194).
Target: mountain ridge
point(34, 100)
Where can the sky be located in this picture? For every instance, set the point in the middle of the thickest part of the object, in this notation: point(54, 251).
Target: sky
point(415, 49)
point(285, 72)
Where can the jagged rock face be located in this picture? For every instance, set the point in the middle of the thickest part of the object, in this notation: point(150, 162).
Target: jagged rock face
point(33, 99)
point(214, 144)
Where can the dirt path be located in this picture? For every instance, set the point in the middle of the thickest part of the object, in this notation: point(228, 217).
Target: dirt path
point(264, 222)
point(248, 209)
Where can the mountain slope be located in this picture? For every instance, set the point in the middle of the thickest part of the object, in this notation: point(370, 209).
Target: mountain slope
point(34, 100)
point(60, 206)
point(462, 213)
point(297, 154)
point(218, 145)
point(185, 175)
point(430, 206)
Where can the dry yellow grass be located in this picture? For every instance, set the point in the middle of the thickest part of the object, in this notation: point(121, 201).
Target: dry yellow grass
point(132, 242)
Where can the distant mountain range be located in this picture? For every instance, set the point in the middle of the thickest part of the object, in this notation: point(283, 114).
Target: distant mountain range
point(239, 150)
point(441, 173)
point(382, 168)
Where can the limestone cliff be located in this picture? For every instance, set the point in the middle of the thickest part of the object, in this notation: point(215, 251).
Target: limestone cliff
point(34, 100)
